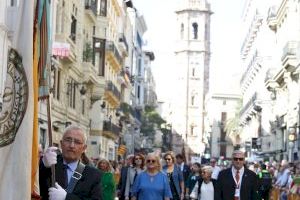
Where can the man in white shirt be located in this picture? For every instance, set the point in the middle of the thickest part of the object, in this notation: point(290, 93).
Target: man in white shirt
point(216, 169)
point(237, 182)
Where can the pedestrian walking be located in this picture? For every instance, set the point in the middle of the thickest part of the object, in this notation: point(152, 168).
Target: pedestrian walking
point(237, 182)
point(107, 180)
point(74, 180)
point(175, 176)
point(204, 188)
point(137, 167)
point(123, 178)
point(216, 168)
point(264, 182)
point(193, 178)
point(184, 168)
point(151, 184)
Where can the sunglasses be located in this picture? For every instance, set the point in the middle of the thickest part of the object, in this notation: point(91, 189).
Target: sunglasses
point(236, 159)
point(168, 159)
point(151, 161)
point(138, 159)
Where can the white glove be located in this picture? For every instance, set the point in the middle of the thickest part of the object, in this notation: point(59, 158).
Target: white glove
point(57, 193)
point(50, 157)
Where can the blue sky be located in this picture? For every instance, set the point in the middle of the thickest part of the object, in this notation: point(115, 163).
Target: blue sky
point(225, 41)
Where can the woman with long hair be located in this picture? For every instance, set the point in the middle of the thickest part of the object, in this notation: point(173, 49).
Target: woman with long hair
point(107, 180)
point(151, 184)
point(137, 167)
point(175, 176)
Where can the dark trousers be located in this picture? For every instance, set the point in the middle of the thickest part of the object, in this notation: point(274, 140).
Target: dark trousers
point(264, 194)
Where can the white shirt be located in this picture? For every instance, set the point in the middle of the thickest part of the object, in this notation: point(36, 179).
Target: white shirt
point(182, 166)
point(241, 173)
point(206, 191)
point(215, 173)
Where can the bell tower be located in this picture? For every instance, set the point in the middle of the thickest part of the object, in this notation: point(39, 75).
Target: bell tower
point(192, 56)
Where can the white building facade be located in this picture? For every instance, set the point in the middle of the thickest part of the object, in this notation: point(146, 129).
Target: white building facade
point(192, 56)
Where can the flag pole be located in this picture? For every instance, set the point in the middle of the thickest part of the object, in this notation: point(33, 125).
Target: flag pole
point(50, 137)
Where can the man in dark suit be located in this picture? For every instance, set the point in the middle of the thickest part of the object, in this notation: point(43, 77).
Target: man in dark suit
point(88, 186)
point(237, 182)
point(185, 169)
point(123, 178)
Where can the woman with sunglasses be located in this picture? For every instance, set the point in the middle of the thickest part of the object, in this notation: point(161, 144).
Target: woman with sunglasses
point(151, 184)
point(137, 167)
point(175, 176)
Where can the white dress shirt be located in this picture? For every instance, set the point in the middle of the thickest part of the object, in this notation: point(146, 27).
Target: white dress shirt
point(238, 184)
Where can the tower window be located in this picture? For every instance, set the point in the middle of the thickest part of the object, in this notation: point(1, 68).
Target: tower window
point(181, 31)
point(195, 30)
point(193, 100)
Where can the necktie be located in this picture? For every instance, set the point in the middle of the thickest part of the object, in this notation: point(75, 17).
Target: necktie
point(66, 180)
point(237, 177)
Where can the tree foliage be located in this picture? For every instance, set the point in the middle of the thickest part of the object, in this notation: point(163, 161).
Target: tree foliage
point(232, 126)
point(150, 120)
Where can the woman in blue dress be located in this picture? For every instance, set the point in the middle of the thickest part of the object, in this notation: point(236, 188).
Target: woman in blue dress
point(151, 184)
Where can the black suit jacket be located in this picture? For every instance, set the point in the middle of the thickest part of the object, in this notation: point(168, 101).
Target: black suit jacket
point(185, 172)
point(87, 188)
point(122, 182)
point(225, 187)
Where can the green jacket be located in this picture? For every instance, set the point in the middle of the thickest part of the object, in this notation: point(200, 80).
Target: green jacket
point(108, 186)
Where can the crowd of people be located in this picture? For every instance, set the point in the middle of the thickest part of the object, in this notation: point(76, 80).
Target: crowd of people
point(156, 177)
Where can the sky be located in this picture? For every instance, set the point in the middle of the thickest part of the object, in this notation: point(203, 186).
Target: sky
point(225, 42)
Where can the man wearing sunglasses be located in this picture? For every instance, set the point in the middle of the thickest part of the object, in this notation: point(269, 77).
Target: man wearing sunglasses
point(237, 182)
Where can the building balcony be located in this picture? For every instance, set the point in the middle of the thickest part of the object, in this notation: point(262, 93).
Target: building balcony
point(112, 94)
point(124, 78)
point(271, 19)
point(91, 9)
point(113, 56)
point(127, 110)
point(123, 45)
point(252, 69)
point(251, 35)
point(289, 54)
point(64, 38)
point(111, 130)
point(248, 108)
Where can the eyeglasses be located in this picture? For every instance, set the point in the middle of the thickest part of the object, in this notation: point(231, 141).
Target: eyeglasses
point(69, 141)
point(236, 159)
point(168, 159)
point(151, 161)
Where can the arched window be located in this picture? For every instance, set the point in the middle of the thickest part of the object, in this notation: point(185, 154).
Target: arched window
point(195, 30)
point(181, 31)
point(193, 100)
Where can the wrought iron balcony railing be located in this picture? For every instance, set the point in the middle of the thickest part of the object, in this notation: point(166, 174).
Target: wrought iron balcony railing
point(109, 126)
point(91, 5)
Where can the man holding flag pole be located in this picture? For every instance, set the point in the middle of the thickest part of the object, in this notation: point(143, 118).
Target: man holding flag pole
point(61, 177)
